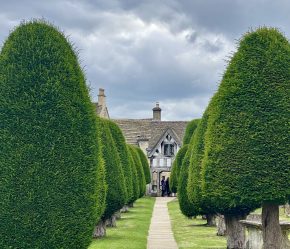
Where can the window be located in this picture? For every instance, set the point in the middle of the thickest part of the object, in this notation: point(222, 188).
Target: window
point(169, 149)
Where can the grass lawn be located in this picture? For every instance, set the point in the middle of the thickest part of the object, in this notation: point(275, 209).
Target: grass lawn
point(192, 233)
point(131, 231)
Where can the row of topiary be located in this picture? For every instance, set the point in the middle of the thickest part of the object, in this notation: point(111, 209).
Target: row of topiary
point(63, 170)
point(239, 152)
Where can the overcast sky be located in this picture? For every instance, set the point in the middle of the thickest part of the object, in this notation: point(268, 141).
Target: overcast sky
point(143, 51)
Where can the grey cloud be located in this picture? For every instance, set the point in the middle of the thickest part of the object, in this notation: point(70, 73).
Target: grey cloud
point(170, 51)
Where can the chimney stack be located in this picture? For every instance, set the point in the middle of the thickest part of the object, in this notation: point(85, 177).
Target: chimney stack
point(157, 112)
point(101, 97)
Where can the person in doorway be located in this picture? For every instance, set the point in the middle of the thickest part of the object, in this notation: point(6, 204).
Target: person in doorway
point(163, 186)
point(167, 188)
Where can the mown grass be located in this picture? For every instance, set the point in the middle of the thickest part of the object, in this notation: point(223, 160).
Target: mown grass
point(192, 233)
point(132, 229)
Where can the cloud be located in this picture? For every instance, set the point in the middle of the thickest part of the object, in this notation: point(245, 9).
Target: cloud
point(146, 51)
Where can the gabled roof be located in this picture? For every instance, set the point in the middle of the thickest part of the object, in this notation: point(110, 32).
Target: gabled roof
point(151, 130)
point(162, 138)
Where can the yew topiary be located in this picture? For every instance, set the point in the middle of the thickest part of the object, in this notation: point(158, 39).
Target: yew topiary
point(145, 165)
point(52, 177)
point(136, 187)
point(116, 194)
point(194, 172)
point(174, 176)
point(189, 131)
point(121, 146)
point(139, 170)
point(246, 153)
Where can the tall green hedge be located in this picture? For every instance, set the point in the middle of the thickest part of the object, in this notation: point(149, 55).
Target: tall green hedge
point(116, 194)
point(124, 157)
point(145, 165)
point(185, 205)
point(189, 131)
point(49, 151)
point(246, 143)
point(177, 163)
point(139, 169)
point(136, 187)
point(194, 172)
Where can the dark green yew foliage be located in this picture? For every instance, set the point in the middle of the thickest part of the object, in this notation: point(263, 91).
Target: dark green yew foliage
point(136, 187)
point(194, 172)
point(145, 165)
point(124, 157)
point(185, 205)
point(190, 128)
point(139, 169)
point(174, 176)
point(246, 158)
point(116, 194)
point(51, 176)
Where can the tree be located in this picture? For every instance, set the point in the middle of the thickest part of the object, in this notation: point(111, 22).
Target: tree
point(185, 206)
point(136, 187)
point(145, 165)
point(245, 160)
point(189, 131)
point(177, 163)
point(116, 194)
point(121, 146)
point(52, 177)
point(139, 170)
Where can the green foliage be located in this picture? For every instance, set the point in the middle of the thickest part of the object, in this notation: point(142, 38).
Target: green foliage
point(49, 152)
point(189, 131)
point(185, 205)
point(116, 195)
point(139, 170)
point(174, 176)
point(136, 187)
point(145, 165)
point(194, 172)
point(124, 157)
point(246, 142)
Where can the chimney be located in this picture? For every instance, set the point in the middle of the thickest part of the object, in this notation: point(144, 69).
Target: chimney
point(157, 112)
point(101, 97)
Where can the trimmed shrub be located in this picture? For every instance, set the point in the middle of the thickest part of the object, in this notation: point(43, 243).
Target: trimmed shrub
point(139, 169)
point(124, 157)
point(116, 194)
point(145, 165)
point(194, 172)
point(51, 169)
point(246, 153)
point(177, 163)
point(186, 207)
point(189, 131)
point(136, 187)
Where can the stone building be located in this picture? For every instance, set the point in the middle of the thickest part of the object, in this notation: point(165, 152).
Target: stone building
point(160, 140)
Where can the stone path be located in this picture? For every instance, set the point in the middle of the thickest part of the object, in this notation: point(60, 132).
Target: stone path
point(160, 233)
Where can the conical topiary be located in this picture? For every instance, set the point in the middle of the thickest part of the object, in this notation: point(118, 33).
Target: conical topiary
point(116, 194)
point(246, 163)
point(136, 187)
point(145, 165)
point(190, 128)
point(50, 160)
point(177, 163)
point(139, 169)
point(121, 146)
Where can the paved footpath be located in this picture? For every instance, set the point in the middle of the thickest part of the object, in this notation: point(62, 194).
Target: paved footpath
point(160, 232)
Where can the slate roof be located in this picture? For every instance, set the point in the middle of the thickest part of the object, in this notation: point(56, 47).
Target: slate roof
point(151, 130)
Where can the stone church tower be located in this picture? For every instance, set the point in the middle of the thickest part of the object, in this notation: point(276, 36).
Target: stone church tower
point(159, 140)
